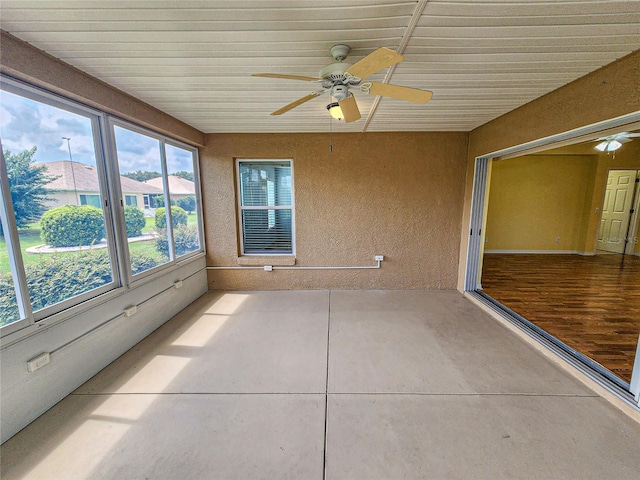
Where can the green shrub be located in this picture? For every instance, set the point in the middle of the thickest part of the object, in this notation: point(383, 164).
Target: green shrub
point(178, 217)
point(59, 277)
point(77, 273)
point(134, 218)
point(185, 239)
point(8, 302)
point(187, 203)
point(144, 261)
point(158, 201)
point(72, 225)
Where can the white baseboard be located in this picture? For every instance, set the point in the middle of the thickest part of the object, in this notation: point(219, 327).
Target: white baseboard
point(539, 252)
point(551, 252)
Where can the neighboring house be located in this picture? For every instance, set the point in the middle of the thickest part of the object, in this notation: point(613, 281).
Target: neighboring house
point(78, 184)
point(178, 187)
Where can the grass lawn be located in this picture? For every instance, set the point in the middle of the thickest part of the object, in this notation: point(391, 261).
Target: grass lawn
point(30, 237)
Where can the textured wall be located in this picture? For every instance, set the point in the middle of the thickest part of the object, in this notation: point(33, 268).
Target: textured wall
point(394, 194)
point(609, 92)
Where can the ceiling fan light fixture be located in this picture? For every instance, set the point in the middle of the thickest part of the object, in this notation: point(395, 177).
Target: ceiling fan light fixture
point(335, 111)
point(608, 146)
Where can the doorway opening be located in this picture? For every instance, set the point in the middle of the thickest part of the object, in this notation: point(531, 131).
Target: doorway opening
point(619, 217)
point(554, 244)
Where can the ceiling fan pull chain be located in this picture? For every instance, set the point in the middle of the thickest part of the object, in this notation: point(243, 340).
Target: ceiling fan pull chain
point(330, 134)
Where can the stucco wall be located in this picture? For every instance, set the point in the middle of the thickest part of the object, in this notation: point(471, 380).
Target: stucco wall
point(393, 194)
point(609, 92)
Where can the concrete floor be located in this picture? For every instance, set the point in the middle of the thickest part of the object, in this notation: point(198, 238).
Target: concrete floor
point(336, 385)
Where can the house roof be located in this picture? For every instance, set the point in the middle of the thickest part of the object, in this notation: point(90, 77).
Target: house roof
point(177, 185)
point(84, 178)
point(194, 60)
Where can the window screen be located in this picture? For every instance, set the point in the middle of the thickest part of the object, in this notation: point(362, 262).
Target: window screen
point(266, 206)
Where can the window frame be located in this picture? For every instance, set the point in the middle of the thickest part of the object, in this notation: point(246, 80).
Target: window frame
point(98, 120)
point(142, 277)
point(115, 231)
point(241, 207)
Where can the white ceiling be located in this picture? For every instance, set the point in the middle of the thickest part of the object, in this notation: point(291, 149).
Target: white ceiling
point(193, 59)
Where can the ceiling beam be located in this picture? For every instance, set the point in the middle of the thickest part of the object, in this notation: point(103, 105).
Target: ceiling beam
point(404, 41)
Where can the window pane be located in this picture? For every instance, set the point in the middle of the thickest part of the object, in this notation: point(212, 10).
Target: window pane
point(51, 161)
point(266, 200)
point(93, 200)
point(8, 305)
point(140, 164)
point(182, 189)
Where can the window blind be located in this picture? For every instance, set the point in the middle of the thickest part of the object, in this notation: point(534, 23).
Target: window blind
point(266, 206)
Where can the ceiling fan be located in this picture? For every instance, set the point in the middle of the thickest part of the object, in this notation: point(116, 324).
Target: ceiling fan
point(611, 143)
point(340, 79)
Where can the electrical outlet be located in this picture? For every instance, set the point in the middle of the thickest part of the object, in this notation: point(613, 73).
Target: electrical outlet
point(268, 268)
point(557, 239)
point(38, 362)
point(130, 310)
point(379, 258)
point(177, 284)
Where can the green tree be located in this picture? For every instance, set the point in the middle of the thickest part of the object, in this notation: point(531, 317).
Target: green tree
point(27, 183)
point(184, 174)
point(187, 203)
point(142, 175)
point(158, 201)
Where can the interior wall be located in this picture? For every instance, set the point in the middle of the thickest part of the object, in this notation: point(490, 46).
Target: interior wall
point(609, 92)
point(539, 203)
point(393, 194)
point(85, 340)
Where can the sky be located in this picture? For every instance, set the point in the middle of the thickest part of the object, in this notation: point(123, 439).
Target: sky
point(25, 123)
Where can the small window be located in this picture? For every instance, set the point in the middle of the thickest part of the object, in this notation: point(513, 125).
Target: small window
point(131, 200)
point(266, 206)
point(93, 200)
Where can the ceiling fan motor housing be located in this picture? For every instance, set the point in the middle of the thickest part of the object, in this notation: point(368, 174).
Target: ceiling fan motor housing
point(334, 72)
point(340, 92)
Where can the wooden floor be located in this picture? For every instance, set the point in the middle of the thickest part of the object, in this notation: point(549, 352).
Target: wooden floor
point(592, 304)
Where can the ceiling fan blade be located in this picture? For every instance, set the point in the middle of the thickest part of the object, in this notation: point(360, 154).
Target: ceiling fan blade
point(350, 110)
point(298, 102)
point(374, 62)
point(396, 91)
point(290, 77)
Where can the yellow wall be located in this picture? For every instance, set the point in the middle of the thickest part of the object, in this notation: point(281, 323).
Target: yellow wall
point(393, 194)
point(536, 199)
point(607, 93)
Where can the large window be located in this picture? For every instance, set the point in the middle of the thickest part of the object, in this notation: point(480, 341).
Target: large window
point(51, 150)
point(266, 206)
point(153, 168)
point(67, 215)
point(182, 190)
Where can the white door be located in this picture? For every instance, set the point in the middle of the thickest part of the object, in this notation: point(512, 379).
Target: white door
point(616, 210)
